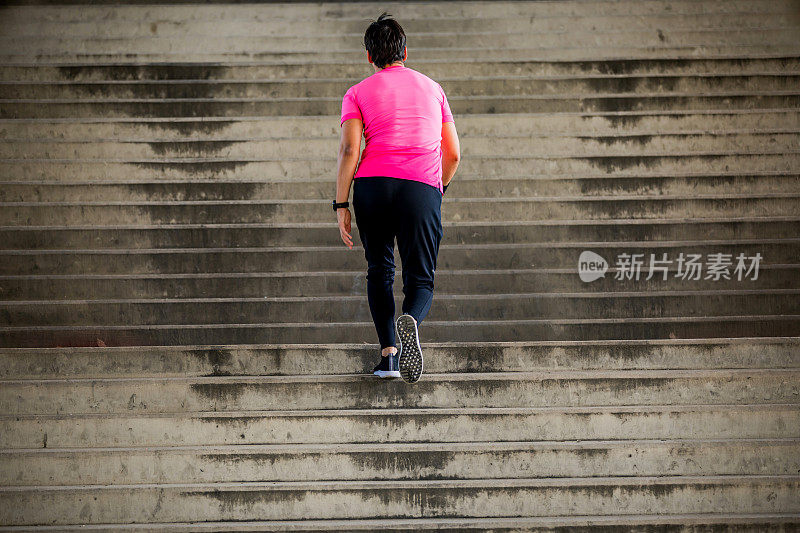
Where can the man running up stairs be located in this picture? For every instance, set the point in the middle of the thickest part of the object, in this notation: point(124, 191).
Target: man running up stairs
point(186, 345)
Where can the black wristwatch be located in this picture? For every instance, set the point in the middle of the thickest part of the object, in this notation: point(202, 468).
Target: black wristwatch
point(337, 205)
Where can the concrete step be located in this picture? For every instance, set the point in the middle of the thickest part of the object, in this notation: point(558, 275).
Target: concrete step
point(341, 12)
point(436, 69)
point(259, 309)
point(455, 87)
point(463, 187)
point(532, 125)
point(686, 327)
point(339, 258)
point(482, 146)
point(239, 285)
point(564, 52)
point(403, 425)
point(738, 522)
point(317, 168)
point(453, 210)
point(126, 396)
point(399, 461)
point(357, 499)
point(497, 103)
point(778, 31)
point(257, 235)
point(331, 359)
point(261, 27)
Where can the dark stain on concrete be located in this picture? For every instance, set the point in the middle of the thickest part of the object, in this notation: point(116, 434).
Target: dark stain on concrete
point(189, 168)
point(623, 121)
point(193, 148)
point(590, 453)
point(612, 164)
point(261, 459)
point(189, 127)
point(624, 352)
point(245, 500)
point(223, 393)
point(410, 464)
point(142, 72)
point(478, 358)
point(614, 104)
point(196, 191)
point(614, 85)
point(629, 66)
point(624, 386)
point(218, 359)
point(641, 140)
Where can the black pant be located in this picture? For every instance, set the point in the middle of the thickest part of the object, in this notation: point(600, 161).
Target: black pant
point(411, 211)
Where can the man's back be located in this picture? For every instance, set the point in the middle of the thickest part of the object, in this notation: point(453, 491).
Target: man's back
point(403, 111)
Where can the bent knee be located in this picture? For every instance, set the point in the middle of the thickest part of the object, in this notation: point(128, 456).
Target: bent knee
point(419, 281)
point(380, 272)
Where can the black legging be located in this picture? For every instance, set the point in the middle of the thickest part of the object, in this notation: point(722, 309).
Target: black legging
point(411, 211)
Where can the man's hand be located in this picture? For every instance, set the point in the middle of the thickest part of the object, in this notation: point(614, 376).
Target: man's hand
point(343, 214)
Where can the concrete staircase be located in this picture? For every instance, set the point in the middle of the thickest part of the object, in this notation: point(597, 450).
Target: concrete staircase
point(185, 342)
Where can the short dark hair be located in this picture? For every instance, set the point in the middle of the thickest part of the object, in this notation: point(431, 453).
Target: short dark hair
point(385, 41)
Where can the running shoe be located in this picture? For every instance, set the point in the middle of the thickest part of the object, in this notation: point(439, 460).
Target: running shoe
point(387, 368)
point(410, 361)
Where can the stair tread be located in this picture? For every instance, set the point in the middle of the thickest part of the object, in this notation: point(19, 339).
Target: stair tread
point(234, 81)
point(392, 524)
point(422, 411)
point(428, 322)
point(597, 342)
point(450, 377)
point(445, 296)
point(337, 248)
point(331, 158)
point(403, 447)
point(431, 484)
point(562, 96)
point(300, 139)
point(335, 118)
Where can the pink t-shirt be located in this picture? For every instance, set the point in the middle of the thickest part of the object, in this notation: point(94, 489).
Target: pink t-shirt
point(402, 111)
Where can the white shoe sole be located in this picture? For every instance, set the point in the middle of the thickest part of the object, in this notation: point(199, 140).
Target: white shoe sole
point(410, 361)
point(386, 374)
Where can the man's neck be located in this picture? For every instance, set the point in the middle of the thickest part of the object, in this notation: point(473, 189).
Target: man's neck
point(397, 64)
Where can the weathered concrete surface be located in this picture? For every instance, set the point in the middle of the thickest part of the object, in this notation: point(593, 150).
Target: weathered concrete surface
point(404, 425)
point(398, 461)
point(450, 390)
point(184, 345)
point(330, 360)
point(351, 499)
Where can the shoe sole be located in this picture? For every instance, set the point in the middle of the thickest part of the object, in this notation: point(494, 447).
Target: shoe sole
point(386, 374)
point(410, 361)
